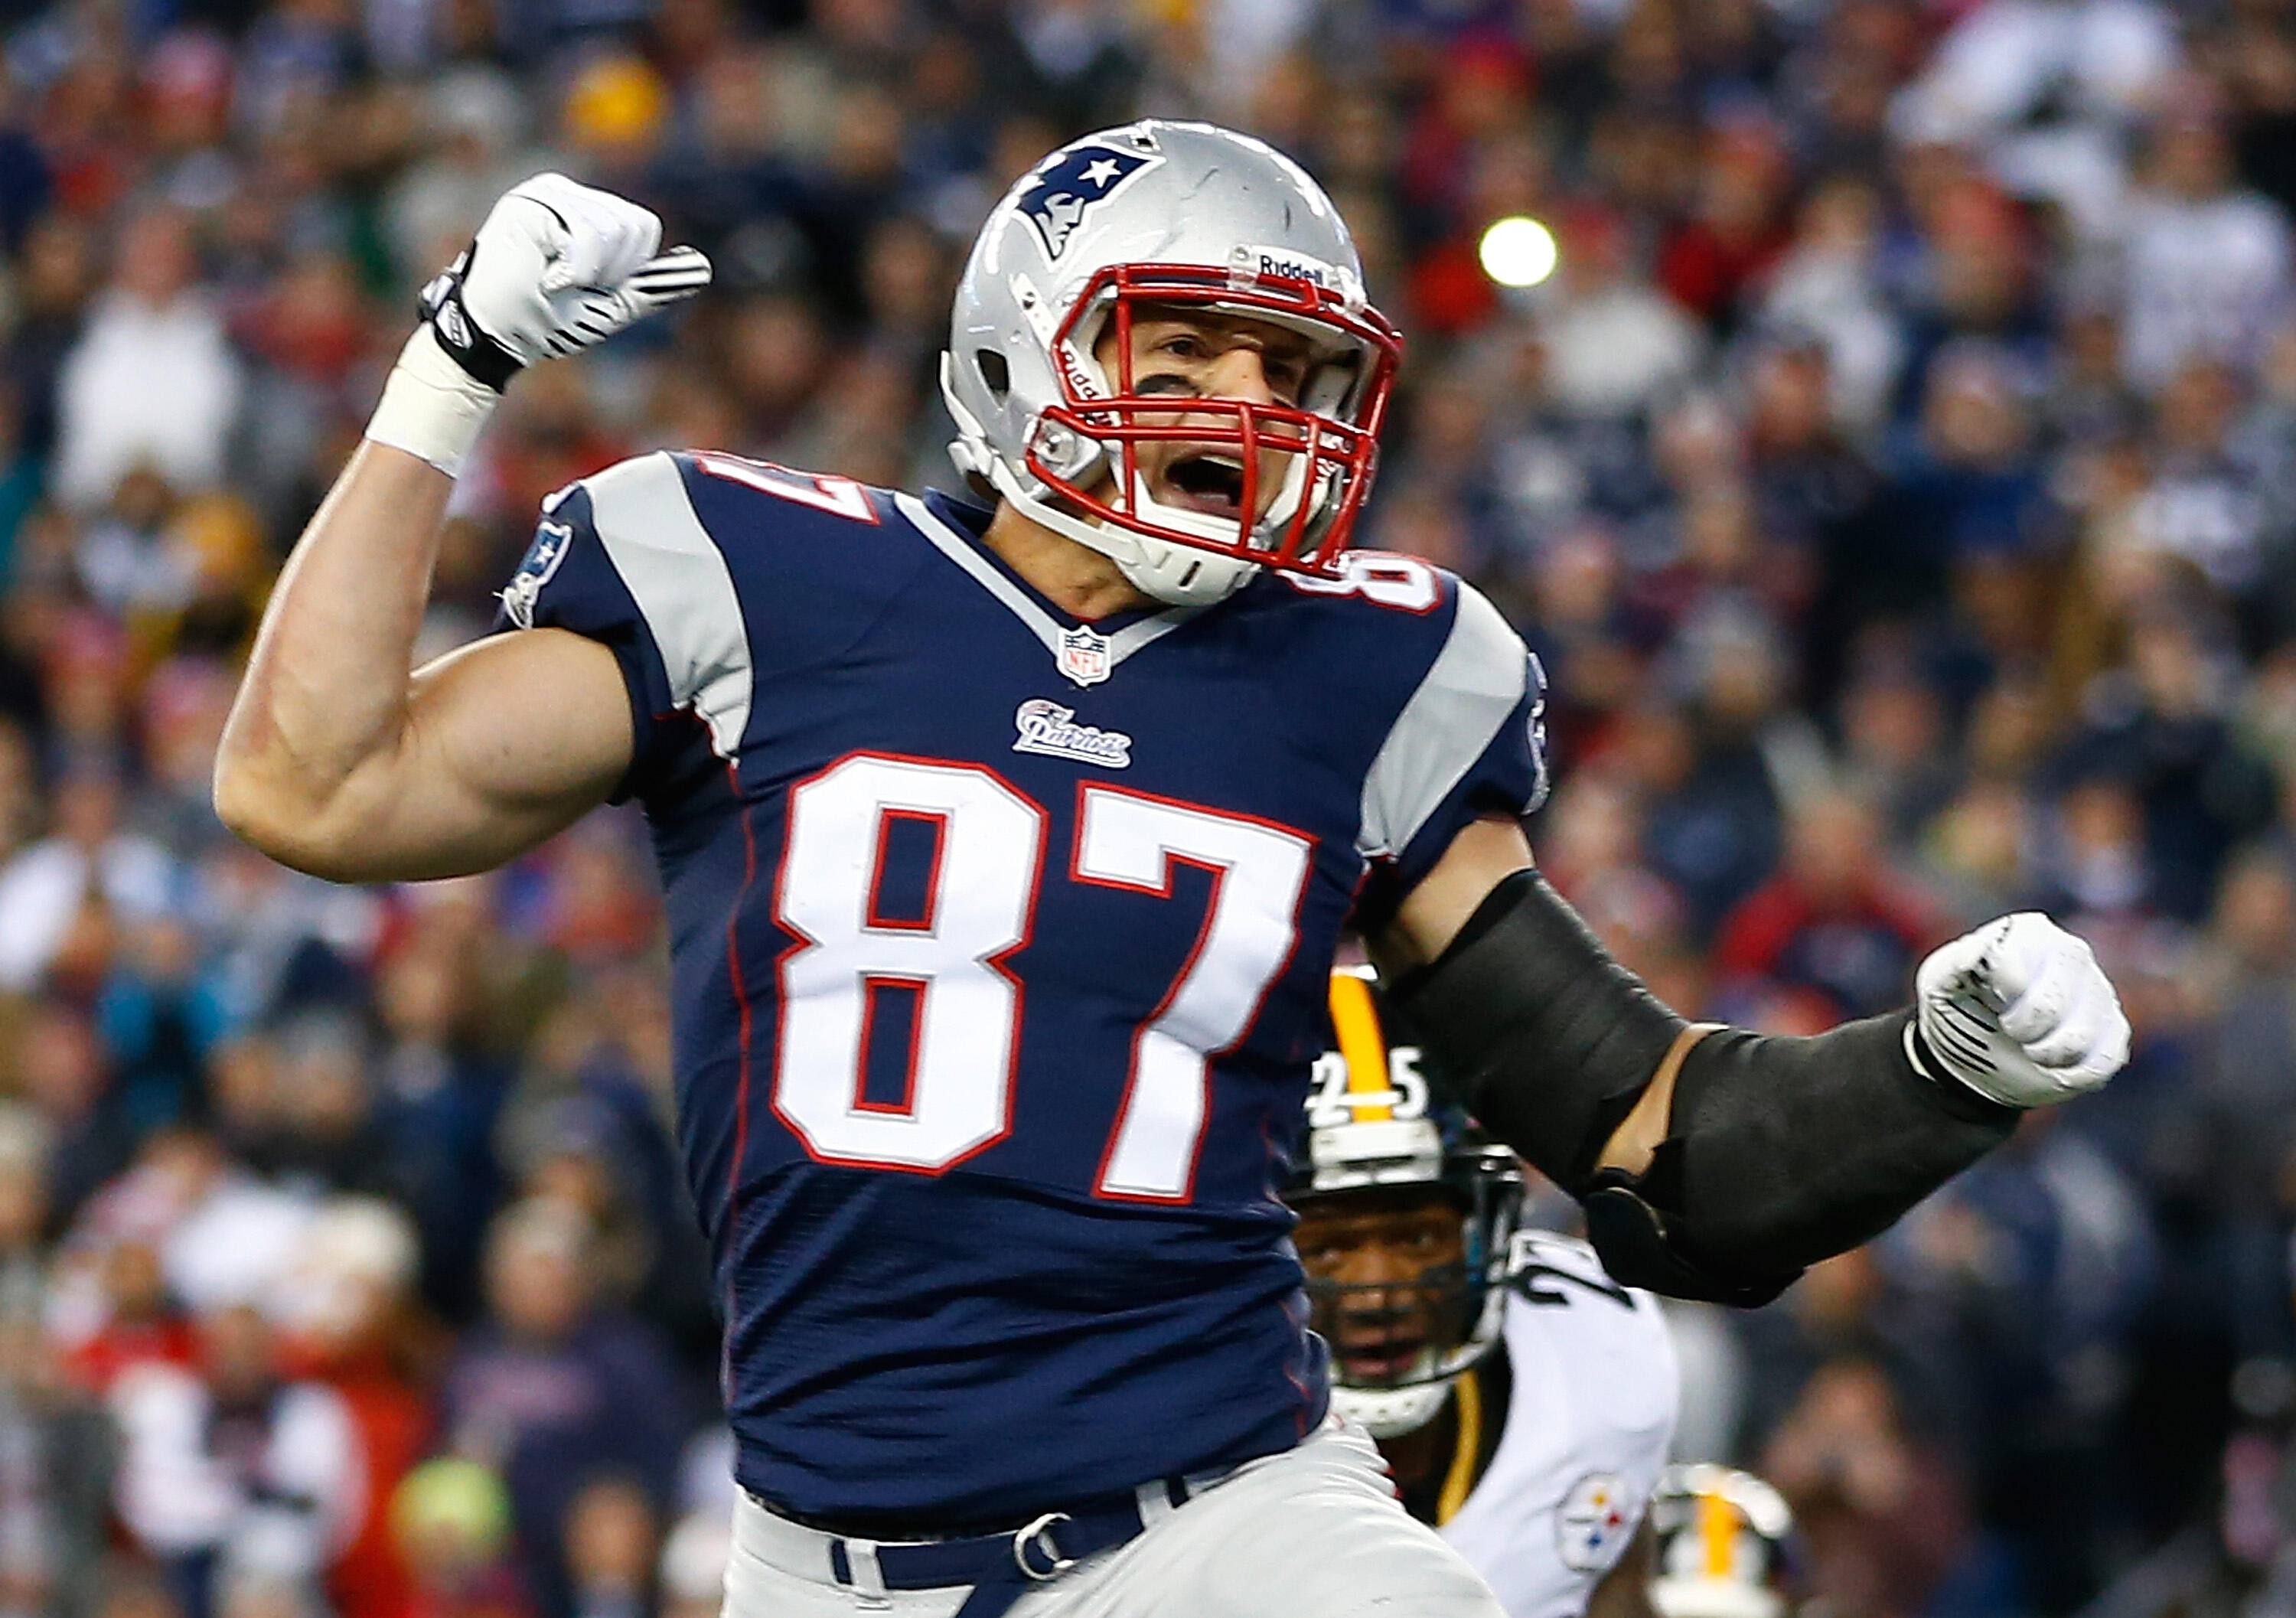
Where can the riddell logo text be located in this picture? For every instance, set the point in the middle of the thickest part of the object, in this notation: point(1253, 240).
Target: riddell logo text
point(1295, 269)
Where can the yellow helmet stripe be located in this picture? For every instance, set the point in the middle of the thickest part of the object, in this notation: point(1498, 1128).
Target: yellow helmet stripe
point(1717, 1532)
point(1356, 1022)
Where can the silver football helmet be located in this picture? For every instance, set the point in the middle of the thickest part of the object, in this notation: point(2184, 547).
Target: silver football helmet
point(1038, 372)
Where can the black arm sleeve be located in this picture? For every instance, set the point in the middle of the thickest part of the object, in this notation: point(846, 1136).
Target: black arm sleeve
point(1549, 1041)
point(1779, 1151)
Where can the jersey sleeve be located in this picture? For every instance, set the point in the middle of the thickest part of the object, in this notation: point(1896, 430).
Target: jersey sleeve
point(622, 559)
point(1470, 741)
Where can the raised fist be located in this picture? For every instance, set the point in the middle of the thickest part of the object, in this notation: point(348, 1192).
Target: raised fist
point(2020, 1012)
point(556, 267)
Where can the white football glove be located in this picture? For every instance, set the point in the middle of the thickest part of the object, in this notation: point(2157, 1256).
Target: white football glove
point(2020, 1012)
point(556, 267)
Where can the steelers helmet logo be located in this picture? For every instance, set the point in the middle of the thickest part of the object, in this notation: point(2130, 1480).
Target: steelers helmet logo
point(1594, 1523)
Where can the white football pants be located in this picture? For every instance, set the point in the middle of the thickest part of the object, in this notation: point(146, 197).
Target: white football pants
point(1313, 1533)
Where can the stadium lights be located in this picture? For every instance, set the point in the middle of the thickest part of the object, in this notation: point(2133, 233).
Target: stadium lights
point(1517, 252)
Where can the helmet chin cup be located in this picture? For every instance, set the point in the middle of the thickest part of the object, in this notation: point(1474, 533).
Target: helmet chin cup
point(1176, 574)
point(1392, 1412)
point(1180, 575)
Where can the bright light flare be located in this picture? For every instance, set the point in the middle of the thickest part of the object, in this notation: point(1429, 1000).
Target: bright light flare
point(1517, 252)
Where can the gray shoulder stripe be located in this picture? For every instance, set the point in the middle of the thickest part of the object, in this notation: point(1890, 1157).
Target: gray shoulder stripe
point(674, 571)
point(1464, 699)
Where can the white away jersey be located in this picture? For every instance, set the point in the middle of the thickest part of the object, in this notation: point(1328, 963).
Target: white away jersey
point(1589, 1417)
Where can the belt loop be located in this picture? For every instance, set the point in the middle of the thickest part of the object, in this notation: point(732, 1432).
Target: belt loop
point(868, 1580)
point(1155, 1504)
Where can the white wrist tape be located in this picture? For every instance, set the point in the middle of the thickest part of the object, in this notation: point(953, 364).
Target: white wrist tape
point(431, 406)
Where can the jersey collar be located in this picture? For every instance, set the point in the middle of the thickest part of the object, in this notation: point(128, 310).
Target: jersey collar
point(955, 528)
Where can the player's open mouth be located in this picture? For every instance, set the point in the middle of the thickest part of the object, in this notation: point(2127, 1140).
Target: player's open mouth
point(1384, 1360)
point(1204, 481)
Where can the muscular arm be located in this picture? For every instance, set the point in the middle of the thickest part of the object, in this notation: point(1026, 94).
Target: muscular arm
point(337, 761)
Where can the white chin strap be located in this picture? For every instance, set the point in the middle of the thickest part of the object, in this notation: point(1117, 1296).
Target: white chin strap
point(1178, 575)
point(1392, 1412)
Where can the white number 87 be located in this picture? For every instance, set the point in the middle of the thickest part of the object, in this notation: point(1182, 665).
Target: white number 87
point(979, 906)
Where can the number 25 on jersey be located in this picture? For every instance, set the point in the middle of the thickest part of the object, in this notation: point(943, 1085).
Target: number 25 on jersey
point(990, 855)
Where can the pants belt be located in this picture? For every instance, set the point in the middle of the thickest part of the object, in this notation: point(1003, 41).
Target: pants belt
point(1000, 1567)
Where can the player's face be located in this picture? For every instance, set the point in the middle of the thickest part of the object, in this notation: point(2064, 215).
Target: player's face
point(1383, 1267)
point(1197, 354)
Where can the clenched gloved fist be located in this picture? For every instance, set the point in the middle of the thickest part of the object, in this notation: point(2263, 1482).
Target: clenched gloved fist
point(556, 267)
point(2020, 1012)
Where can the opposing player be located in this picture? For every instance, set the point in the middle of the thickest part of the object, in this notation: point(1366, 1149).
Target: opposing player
point(1522, 1399)
point(1004, 850)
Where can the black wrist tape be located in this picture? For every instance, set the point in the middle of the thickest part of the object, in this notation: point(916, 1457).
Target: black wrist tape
point(466, 343)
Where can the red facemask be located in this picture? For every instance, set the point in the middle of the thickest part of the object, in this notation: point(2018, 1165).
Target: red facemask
point(1331, 448)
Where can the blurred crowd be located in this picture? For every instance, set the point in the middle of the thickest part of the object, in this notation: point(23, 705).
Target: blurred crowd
point(1897, 477)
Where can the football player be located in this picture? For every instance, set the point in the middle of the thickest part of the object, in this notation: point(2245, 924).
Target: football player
point(1004, 847)
point(1522, 1399)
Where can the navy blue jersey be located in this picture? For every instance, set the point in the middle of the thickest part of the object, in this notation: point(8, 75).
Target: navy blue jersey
point(999, 947)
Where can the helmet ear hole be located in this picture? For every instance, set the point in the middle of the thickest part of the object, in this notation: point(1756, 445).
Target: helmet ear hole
point(994, 370)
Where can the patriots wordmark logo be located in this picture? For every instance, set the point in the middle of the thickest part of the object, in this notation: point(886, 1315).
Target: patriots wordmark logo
point(1059, 197)
point(1083, 656)
point(1596, 1519)
point(550, 542)
point(1048, 728)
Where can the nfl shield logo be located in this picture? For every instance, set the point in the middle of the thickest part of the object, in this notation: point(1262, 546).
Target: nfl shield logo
point(1084, 656)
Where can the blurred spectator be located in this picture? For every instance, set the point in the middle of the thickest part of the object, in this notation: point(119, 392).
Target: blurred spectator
point(560, 1394)
point(1832, 922)
point(1614, 345)
point(1884, 1523)
point(350, 1320)
point(151, 382)
point(59, 897)
point(2040, 1258)
point(234, 1473)
point(611, 1549)
point(2159, 727)
point(2206, 263)
point(2244, 1097)
point(450, 1523)
point(1828, 285)
point(2207, 504)
point(57, 1452)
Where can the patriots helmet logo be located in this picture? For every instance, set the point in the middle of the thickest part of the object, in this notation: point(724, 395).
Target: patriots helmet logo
point(1059, 196)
